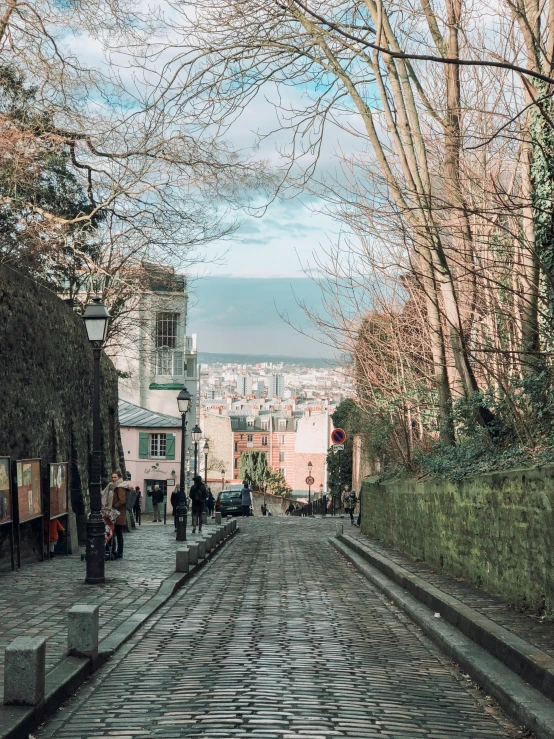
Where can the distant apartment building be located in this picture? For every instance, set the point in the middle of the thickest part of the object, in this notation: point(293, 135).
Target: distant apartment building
point(244, 385)
point(274, 436)
point(276, 386)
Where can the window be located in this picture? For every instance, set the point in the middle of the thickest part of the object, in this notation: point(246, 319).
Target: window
point(265, 424)
point(250, 423)
point(282, 424)
point(283, 471)
point(250, 438)
point(157, 445)
point(236, 463)
point(282, 440)
point(264, 440)
point(236, 446)
point(281, 456)
point(166, 330)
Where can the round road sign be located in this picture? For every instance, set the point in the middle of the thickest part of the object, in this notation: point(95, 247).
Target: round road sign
point(338, 436)
point(310, 480)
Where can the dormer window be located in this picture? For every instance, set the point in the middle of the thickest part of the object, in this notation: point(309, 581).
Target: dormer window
point(250, 423)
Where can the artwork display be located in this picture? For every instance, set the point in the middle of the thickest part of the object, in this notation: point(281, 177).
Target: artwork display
point(58, 489)
point(28, 489)
point(5, 494)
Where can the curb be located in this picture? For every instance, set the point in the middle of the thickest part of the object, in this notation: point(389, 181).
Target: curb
point(524, 703)
point(16, 722)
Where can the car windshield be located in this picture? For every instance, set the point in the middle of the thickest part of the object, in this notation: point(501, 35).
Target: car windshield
point(230, 496)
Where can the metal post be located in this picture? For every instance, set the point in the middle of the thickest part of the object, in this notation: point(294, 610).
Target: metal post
point(195, 458)
point(309, 500)
point(181, 512)
point(206, 468)
point(96, 533)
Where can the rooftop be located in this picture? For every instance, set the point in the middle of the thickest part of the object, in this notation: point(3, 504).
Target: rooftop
point(137, 417)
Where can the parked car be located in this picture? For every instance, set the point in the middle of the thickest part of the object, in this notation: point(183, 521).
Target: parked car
point(229, 503)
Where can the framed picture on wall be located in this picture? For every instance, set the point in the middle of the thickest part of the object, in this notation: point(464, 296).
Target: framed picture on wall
point(58, 489)
point(29, 489)
point(6, 515)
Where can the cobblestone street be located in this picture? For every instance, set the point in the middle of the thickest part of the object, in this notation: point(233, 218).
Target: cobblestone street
point(279, 637)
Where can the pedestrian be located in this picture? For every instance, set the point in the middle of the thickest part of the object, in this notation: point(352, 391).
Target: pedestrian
point(246, 499)
point(198, 496)
point(137, 508)
point(157, 500)
point(263, 509)
point(174, 500)
point(211, 504)
point(352, 505)
point(119, 502)
point(290, 509)
point(54, 532)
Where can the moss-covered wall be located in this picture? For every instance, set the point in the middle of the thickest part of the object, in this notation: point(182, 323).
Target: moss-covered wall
point(46, 388)
point(494, 530)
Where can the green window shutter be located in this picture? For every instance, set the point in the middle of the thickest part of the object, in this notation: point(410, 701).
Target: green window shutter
point(169, 446)
point(144, 440)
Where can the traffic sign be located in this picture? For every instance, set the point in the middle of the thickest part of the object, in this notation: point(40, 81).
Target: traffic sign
point(310, 480)
point(338, 447)
point(338, 436)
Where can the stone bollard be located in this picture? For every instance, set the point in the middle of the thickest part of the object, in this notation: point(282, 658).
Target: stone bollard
point(201, 548)
point(24, 671)
point(204, 518)
point(220, 534)
point(82, 631)
point(217, 518)
point(182, 560)
point(193, 553)
point(340, 529)
point(208, 543)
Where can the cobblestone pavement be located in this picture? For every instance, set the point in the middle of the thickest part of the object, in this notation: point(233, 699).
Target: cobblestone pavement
point(531, 629)
point(36, 598)
point(279, 637)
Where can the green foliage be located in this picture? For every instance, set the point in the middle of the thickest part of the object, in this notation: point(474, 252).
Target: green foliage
point(254, 469)
point(277, 484)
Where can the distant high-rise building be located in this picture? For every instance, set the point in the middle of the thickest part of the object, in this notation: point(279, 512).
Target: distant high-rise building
point(277, 386)
point(244, 385)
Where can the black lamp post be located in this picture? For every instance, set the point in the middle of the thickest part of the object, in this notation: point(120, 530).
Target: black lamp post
point(206, 452)
point(97, 319)
point(183, 403)
point(196, 436)
point(310, 465)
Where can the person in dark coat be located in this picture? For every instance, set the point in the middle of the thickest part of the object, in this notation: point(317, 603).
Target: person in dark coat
point(137, 508)
point(198, 497)
point(210, 503)
point(157, 500)
point(174, 500)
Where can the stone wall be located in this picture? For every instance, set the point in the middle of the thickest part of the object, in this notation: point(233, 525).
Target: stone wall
point(46, 371)
point(276, 504)
point(494, 530)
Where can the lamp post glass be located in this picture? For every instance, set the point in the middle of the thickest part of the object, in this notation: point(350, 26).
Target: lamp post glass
point(97, 320)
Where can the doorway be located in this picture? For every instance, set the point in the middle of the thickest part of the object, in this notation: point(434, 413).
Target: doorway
point(148, 487)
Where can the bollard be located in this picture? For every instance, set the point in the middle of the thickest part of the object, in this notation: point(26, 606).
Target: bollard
point(182, 560)
point(208, 543)
point(204, 518)
point(340, 529)
point(82, 631)
point(193, 553)
point(24, 671)
point(218, 518)
point(201, 548)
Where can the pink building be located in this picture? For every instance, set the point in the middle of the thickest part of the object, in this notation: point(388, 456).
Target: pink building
point(152, 448)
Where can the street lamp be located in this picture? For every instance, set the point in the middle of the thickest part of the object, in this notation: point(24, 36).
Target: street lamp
point(196, 436)
point(321, 490)
point(223, 479)
point(206, 450)
point(310, 465)
point(97, 319)
point(183, 403)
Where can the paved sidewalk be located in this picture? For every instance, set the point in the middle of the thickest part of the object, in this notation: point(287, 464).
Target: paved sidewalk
point(279, 638)
point(538, 633)
point(36, 598)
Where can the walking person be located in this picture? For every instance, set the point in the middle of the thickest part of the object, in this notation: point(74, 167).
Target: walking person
point(246, 499)
point(119, 502)
point(137, 508)
point(157, 500)
point(352, 505)
point(211, 504)
point(198, 496)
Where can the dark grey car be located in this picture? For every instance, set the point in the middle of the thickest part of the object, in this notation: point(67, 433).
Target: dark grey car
point(229, 502)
